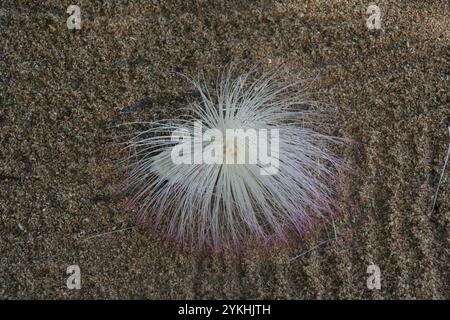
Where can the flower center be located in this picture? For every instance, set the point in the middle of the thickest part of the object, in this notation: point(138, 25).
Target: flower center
point(230, 149)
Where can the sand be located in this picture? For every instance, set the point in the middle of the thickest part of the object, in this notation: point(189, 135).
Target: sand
point(60, 90)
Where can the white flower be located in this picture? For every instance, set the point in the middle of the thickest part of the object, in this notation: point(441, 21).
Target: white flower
point(226, 204)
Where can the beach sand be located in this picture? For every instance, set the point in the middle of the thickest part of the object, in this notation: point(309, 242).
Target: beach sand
point(61, 90)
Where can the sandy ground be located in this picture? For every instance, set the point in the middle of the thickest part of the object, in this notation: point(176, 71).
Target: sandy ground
point(60, 90)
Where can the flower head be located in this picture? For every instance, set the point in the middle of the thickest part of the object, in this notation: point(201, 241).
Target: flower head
point(194, 181)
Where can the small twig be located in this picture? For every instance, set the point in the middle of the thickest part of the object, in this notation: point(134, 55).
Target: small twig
point(108, 232)
point(315, 247)
point(442, 175)
point(334, 228)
